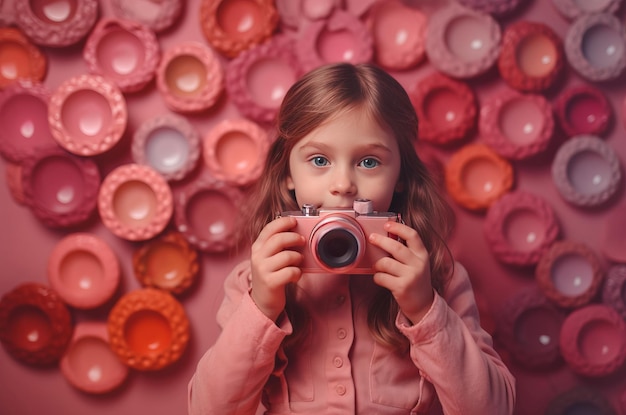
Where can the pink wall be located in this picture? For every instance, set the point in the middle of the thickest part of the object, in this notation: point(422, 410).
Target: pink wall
point(25, 244)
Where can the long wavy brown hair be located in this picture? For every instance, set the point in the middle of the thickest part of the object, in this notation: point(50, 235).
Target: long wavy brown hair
point(314, 99)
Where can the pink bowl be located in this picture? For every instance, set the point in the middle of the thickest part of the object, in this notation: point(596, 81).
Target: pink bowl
point(258, 78)
point(595, 46)
point(462, 42)
point(569, 274)
point(61, 189)
point(234, 151)
point(63, 25)
point(573, 9)
point(135, 202)
point(148, 329)
point(476, 177)
point(517, 126)
point(294, 14)
point(89, 364)
point(125, 51)
point(529, 327)
point(342, 37)
point(593, 340)
point(157, 15)
point(83, 270)
point(586, 171)
point(583, 109)
point(20, 59)
point(520, 227)
point(190, 77)
point(169, 144)
point(398, 33)
point(35, 324)
point(167, 262)
point(446, 109)
point(206, 214)
point(532, 57)
point(232, 26)
point(87, 115)
point(24, 120)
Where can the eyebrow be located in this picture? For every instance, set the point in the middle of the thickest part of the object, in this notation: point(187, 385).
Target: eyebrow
point(363, 148)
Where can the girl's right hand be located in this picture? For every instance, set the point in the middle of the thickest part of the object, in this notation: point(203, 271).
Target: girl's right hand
point(274, 265)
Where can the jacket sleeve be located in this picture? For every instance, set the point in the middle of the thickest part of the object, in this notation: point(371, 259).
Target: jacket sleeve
point(230, 376)
point(456, 355)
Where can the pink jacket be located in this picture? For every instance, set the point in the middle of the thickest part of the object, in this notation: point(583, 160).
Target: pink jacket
point(340, 369)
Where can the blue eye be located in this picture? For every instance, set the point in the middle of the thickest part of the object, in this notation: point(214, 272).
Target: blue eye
point(369, 163)
point(320, 161)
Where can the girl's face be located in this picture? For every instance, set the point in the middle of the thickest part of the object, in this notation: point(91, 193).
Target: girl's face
point(348, 157)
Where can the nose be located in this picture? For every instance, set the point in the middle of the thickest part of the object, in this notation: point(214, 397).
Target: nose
point(343, 183)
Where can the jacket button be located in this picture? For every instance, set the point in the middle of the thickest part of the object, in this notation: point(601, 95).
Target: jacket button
point(338, 361)
point(342, 333)
point(340, 389)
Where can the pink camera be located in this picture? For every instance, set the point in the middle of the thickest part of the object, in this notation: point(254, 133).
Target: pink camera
point(337, 238)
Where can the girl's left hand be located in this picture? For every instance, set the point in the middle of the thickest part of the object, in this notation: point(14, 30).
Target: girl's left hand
point(406, 273)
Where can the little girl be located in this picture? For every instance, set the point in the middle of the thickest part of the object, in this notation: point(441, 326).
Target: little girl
point(405, 339)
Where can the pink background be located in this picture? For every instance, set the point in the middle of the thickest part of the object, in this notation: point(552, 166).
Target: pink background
point(25, 245)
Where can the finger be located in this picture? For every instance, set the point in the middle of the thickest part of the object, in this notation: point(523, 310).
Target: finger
point(386, 280)
point(278, 261)
point(407, 266)
point(289, 274)
point(398, 286)
point(394, 247)
point(390, 245)
point(277, 243)
point(402, 259)
point(280, 278)
point(278, 225)
point(276, 237)
point(406, 233)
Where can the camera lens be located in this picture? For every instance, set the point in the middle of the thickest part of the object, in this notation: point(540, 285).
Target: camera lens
point(338, 248)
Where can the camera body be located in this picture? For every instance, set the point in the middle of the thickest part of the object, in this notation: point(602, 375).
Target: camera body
point(337, 238)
